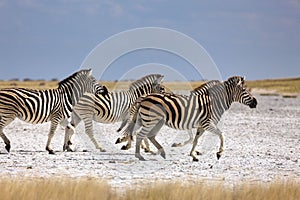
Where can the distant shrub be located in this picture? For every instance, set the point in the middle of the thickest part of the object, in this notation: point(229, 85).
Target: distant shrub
point(13, 84)
point(14, 79)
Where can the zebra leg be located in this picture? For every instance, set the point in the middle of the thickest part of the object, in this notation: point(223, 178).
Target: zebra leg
point(88, 122)
point(146, 146)
point(137, 148)
point(161, 150)
point(4, 121)
point(190, 140)
point(218, 133)
point(122, 139)
point(5, 139)
point(53, 127)
point(124, 122)
point(127, 138)
point(153, 133)
point(200, 131)
point(67, 143)
point(69, 131)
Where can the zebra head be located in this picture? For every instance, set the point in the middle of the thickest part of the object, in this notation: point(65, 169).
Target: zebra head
point(159, 88)
point(147, 84)
point(90, 84)
point(79, 83)
point(241, 94)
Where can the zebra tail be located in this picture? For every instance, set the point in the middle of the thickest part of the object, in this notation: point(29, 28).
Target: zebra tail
point(133, 121)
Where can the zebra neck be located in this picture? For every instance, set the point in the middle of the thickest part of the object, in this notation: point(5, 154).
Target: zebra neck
point(72, 92)
point(229, 94)
point(134, 94)
point(215, 104)
point(220, 104)
point(121, 100)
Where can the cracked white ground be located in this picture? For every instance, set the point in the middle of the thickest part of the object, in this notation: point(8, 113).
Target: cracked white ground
point(261, 144)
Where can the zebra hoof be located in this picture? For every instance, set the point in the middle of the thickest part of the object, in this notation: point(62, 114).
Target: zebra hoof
point(147, 150)
point(102, 150)
point(163, 154)
point(118, 141)
point(7, 147)
point(174, 145)
point(51, 152)
point(195, 159)
point(198, 153)
point(124, 147)
point(142, 159)
point(69, 149)
point(65, 147)
point(218, 155)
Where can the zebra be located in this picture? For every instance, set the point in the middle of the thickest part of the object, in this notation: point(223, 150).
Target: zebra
point(202, 110)
point(111, 108)
point(126, 137)
point(39, 106)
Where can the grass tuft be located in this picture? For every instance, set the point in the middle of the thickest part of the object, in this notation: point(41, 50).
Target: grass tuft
point(179, 191)
point(92, 188)
point(54, 188)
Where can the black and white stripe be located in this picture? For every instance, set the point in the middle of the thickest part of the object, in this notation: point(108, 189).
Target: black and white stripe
point(39, 106)
point(111, 108)
point(202, 110)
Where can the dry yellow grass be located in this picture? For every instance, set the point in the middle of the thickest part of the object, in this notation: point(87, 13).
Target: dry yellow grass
point(29, 84)
point(92, 188)
point(54, 188)
point(178, 191)
point(288, 85)
point(282, 86)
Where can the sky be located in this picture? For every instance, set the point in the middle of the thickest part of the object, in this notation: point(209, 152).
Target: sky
point(259, 39)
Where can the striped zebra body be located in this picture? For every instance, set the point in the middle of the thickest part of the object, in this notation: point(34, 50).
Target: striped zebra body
point(39, 106)
point(184, 98)
point(111, 108)
point(25, 104)
point(201, 110)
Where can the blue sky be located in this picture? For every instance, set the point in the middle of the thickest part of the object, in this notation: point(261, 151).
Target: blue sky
point(40, 39)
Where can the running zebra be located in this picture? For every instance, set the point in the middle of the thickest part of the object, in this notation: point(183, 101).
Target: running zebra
point(39, 106)
point(146, 145)
point(111, 108)
point(202, 110)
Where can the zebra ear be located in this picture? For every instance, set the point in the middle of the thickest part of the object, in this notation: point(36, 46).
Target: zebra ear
point(158, 81)
point(241, 81)
point(89, 72)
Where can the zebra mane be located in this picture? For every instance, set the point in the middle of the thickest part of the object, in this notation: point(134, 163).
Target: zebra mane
point(210, 86)
point(76, 74)
point(236, 80)
point(205, 87)
point(146, 80)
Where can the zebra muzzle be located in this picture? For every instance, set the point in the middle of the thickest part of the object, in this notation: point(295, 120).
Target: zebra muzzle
point(253, 103)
